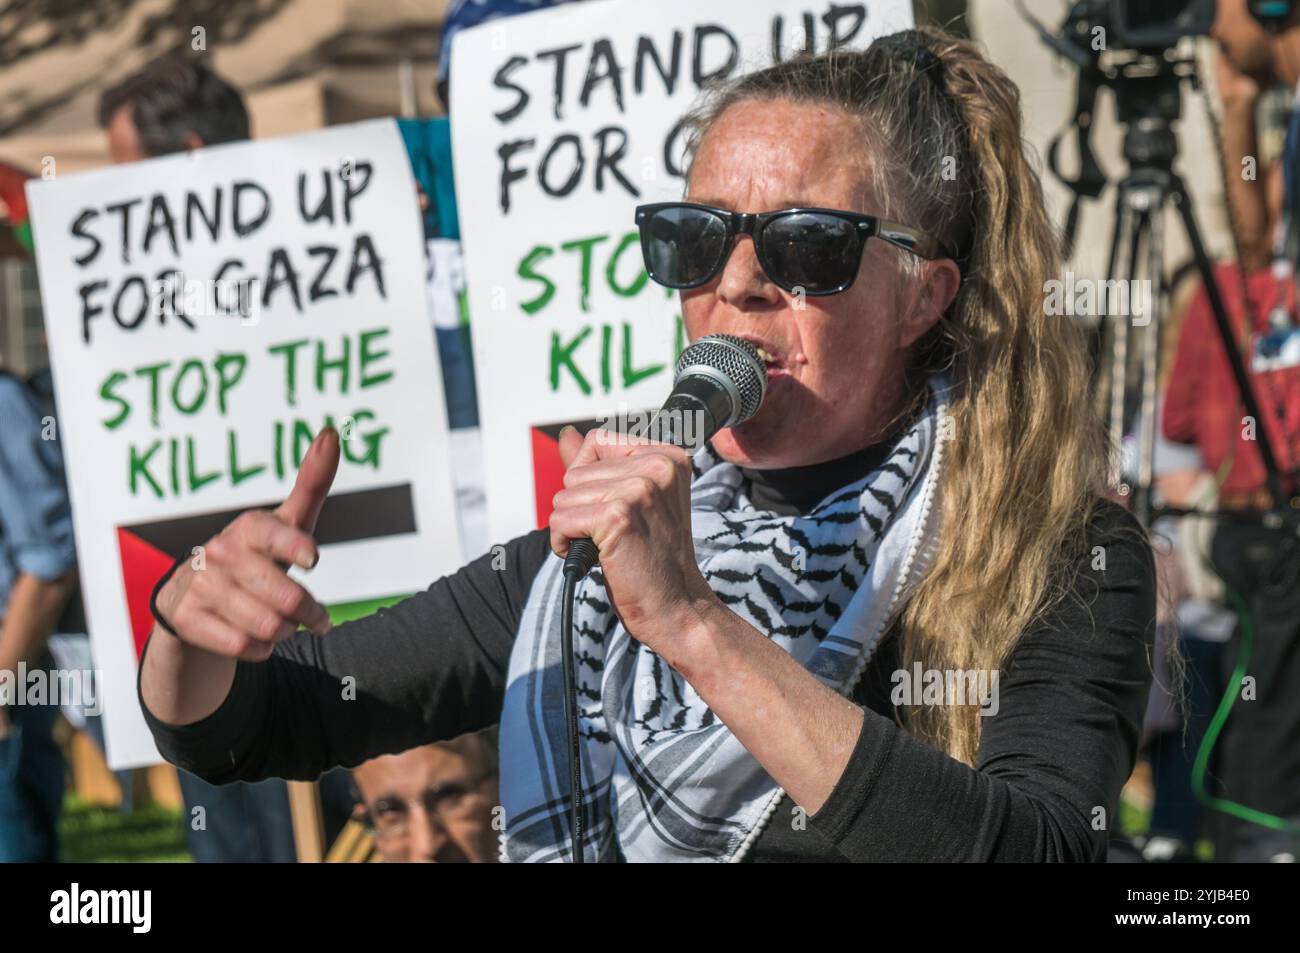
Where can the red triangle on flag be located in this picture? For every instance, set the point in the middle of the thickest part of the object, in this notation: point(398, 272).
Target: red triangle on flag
point(142, 566)
point(548, 471)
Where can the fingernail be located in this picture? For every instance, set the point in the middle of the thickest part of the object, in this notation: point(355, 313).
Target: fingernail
point(566, 428)
point(306, 560)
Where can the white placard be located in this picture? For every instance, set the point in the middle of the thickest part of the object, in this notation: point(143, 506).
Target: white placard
point(563, 121)
point(181, 402)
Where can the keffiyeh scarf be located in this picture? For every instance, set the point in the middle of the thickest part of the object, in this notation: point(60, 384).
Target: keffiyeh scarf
point(663, 778)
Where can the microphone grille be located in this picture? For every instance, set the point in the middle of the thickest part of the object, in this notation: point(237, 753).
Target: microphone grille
point(735, 358)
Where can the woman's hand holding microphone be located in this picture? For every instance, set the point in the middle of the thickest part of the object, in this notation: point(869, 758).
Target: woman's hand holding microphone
point(633, 499)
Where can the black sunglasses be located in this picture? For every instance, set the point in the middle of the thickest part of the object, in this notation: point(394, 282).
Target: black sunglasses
point(815, 251)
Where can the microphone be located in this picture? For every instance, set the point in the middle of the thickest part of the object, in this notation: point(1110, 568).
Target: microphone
point(720, 382)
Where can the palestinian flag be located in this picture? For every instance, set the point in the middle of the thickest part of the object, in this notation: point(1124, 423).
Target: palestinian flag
point(148, 550)
point(548, 469)
point(15, 227)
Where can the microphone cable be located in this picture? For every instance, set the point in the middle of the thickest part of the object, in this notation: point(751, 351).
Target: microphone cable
point(722, 377)
point(582, 555)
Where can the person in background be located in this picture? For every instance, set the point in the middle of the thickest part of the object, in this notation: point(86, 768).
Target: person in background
point(1192, 626)
point(38, 576)
point(436, 803)
point(175, 104)
point(1257, 756)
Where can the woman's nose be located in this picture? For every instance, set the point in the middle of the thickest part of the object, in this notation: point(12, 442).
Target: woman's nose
point(744, 284)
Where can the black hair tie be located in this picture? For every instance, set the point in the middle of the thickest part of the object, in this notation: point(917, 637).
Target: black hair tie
point(909, 46)
point(926, 60)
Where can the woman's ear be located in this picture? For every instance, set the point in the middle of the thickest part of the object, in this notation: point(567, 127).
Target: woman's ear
point(940, 281)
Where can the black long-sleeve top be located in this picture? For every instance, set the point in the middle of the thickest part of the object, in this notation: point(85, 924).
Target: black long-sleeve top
point(1045, 785)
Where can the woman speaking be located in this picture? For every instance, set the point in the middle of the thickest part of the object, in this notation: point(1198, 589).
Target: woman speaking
point(768, 651)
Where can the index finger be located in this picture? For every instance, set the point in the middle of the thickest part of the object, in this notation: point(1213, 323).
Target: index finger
point(312, 485)
point(602, 444)
point(614, 462)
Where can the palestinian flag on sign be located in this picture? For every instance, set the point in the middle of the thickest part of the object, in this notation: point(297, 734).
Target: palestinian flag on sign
point(548, 469)
point(15, 227)
point(148, 550)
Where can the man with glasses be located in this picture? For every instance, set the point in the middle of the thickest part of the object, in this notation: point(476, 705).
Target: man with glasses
point(436, 803)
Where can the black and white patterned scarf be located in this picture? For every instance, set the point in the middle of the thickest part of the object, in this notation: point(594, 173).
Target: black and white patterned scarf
point(663, 778)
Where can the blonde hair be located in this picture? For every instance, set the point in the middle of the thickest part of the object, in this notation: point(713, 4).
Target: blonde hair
point(1027, 455)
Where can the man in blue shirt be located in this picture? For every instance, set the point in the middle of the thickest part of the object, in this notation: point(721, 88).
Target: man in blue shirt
point(38, 576)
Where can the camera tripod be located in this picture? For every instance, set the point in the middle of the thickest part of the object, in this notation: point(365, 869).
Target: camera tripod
point(1146, 78)
point(1142, 197)
point(1147, 107)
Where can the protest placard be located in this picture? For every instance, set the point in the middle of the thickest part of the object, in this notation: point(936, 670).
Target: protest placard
point(563, 121)
point(207, 315)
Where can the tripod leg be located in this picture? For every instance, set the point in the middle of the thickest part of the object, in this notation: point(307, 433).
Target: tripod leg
point(1130, 229)
point(1146, 423)
point(1099, 338)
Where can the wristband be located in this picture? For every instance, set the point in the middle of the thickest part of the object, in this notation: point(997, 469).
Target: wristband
point(153, 599)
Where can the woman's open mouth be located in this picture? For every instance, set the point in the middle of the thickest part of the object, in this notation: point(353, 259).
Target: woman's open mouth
point(771, 358)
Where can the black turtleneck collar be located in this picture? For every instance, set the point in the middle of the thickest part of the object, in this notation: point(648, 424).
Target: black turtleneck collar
point(794, 491)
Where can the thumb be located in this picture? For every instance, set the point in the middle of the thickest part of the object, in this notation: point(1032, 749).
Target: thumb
point(315, 475)
point(570, 443)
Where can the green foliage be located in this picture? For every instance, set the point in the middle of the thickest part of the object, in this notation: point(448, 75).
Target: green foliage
point(91, 833)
